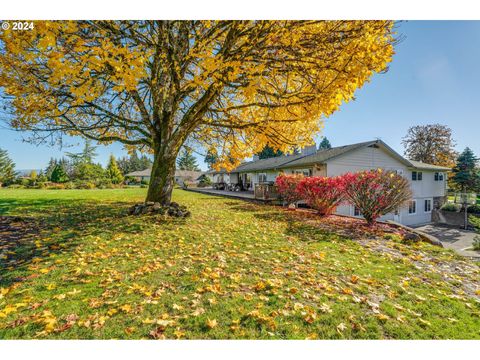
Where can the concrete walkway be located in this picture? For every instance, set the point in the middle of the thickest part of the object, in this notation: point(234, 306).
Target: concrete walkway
point(453, 238)
point(247, 195)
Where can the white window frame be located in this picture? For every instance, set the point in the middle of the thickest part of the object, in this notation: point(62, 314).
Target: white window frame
point(415, 202)
point(259, 179)
point(418, 176)
point(359, 212)
point(424, 207)
point(438, 176)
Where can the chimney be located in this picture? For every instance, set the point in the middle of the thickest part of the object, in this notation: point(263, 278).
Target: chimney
point(309, 150)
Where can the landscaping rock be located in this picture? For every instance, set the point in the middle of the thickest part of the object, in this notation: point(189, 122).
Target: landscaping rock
point(411, 237)
point(155, 208)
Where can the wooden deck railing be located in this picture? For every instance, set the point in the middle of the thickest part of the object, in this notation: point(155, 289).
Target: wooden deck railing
point(266, 192)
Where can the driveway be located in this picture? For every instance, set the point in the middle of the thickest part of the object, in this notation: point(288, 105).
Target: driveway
point(453, 238)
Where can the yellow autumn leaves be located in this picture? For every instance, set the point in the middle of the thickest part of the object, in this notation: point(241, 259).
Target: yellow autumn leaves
point(242, 84)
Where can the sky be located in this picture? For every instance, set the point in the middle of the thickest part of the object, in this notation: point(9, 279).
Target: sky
point(434, 78)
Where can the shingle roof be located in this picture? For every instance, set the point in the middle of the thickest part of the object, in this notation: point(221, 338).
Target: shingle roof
point(424, 166)
point(270, 163)
point(321, 156)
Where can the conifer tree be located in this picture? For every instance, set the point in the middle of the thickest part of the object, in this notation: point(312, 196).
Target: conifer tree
point(113, 171)
point(186, 161)
point(7, 169)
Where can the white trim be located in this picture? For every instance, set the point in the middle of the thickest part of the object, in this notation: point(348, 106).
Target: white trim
point(431, 205)
point(408, 210)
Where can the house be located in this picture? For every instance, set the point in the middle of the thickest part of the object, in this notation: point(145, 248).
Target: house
point(428, 182)
point(180, 175)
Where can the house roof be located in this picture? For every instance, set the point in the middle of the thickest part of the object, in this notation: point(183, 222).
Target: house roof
point(326, 154)
point(270, 163)
point(178, 173)
point(424, 166)
point(322, 156)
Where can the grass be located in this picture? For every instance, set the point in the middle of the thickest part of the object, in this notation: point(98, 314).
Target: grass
point(232, 270)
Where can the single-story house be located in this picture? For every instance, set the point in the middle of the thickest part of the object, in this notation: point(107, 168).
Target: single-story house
point(428, 182)
point(180, 175)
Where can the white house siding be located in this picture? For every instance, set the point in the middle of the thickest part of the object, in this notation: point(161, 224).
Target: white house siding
point(373, 158)
point(271, 176)
point(365, 158)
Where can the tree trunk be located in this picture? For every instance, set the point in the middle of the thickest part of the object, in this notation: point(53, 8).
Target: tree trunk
point(162, 177)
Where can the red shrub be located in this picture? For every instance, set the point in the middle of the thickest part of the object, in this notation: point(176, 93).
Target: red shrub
point(322, 193)
point(376, 192)
point(287, 187)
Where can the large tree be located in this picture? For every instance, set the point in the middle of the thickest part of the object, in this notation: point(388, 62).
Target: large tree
point(466, 174)
point(7, 168)
point(431, 144)
point(232, 86)
point(186, 161)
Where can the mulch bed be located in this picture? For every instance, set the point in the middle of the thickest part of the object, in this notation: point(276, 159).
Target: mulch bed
point(345, 225)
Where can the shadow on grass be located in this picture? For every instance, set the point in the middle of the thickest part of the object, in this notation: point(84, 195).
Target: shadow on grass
point(296, 223)
point(41, 228)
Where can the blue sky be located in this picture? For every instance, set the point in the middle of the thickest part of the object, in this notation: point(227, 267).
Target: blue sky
point(434, 78)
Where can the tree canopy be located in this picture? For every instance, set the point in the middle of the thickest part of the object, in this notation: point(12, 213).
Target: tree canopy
point(431, 144)
point(232, 86)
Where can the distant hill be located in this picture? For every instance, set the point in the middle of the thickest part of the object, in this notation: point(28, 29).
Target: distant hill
point(26, 172)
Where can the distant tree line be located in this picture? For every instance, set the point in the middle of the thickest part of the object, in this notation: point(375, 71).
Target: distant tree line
point(75, 170)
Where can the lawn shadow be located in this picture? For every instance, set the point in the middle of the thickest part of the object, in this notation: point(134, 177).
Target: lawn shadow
point(42, 228)
point(297, 225)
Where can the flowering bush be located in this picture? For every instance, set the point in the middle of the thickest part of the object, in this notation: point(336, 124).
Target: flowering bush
point(322, 193)
point(287, 187)
point(376, 192)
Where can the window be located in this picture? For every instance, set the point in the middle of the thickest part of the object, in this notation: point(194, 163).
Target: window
point(356, 211)
point(438, 176)
point(304, 172)
point(412, 207)
point(416, 175)
point(262, 177)
point(428, 205)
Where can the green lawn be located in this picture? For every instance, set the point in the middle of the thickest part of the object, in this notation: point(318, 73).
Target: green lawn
point(83, 269)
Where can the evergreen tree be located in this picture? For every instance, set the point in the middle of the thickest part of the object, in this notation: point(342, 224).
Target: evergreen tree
point(186, 161)
point(144, 162)
point(269, 152)
point(324, 144)
point(7, 169)
point(465, 173)
point(59, 175)
point(50, 167)
point(87, 155)
point(211, 158)
point(113, 172)
point(128, 164)
point(42, 177)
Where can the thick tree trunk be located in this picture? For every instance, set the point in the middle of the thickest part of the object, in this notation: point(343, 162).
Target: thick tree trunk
point(162, 177)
